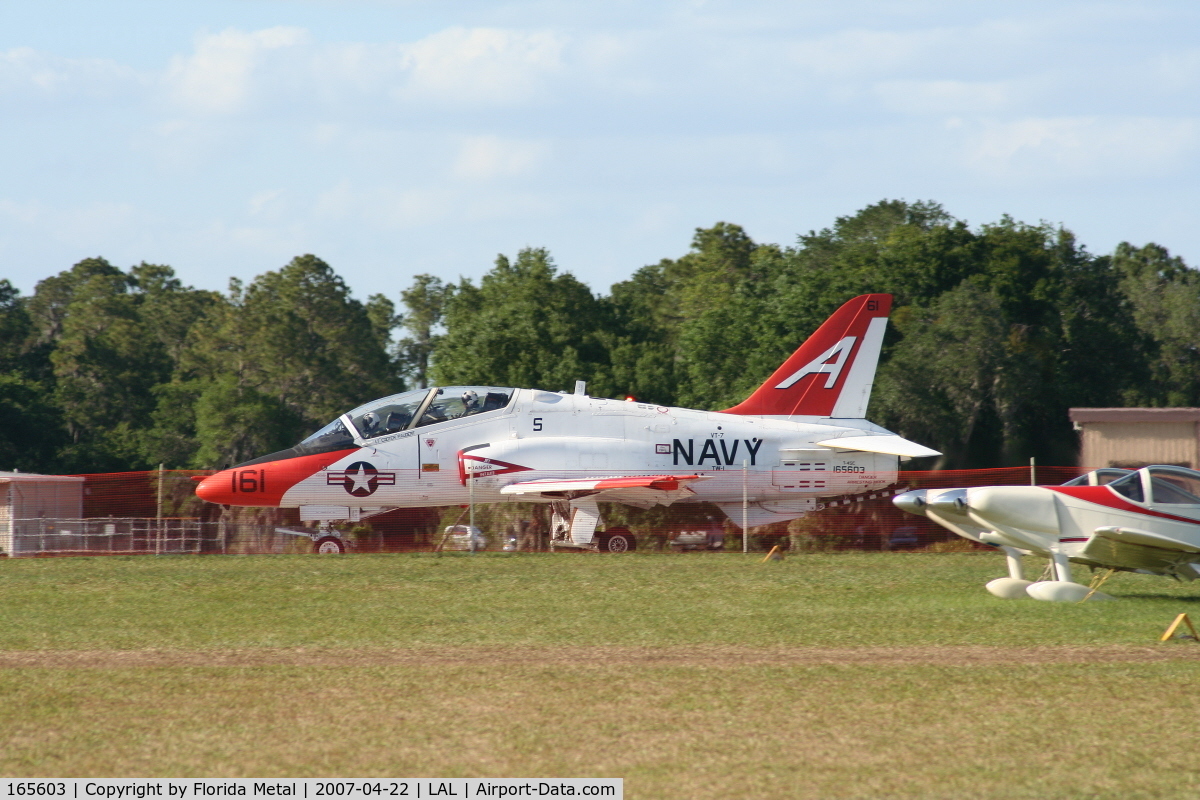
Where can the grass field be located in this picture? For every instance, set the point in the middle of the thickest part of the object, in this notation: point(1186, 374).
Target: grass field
point(825, 675)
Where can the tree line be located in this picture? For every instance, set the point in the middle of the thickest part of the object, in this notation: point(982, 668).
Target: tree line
point(996, 332)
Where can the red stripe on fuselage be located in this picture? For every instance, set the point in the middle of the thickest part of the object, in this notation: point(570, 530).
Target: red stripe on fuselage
point(264, 484)
point(1109, 498)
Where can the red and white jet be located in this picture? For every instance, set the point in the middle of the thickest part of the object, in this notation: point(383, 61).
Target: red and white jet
point(799, 437)
point(1146, 520)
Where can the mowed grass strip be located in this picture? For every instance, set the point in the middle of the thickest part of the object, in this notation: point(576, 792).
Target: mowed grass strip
point(672, 731)
point(826, 675)
point(832, 600)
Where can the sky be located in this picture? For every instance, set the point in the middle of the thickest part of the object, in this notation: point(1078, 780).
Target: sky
point(393, 138)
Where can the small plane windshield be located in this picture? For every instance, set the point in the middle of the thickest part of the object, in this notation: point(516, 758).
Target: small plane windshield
point(388, 414)
point(455, 402)
point(1175, 485)
point(1130, 486)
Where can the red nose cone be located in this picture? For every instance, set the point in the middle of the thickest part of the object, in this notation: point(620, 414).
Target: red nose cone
point(215, 488)
point(265, 483)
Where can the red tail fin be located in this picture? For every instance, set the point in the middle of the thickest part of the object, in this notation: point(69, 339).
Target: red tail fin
point(831, 374)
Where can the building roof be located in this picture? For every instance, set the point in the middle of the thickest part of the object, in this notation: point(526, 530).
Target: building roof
point(1135, 414)
point(33, 477)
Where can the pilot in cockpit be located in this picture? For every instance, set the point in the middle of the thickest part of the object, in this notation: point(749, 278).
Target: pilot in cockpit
point(368, 424)
point(470, 401)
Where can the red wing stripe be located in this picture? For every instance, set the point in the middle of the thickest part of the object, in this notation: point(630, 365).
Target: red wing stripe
point(664, 482)
point(660, 482)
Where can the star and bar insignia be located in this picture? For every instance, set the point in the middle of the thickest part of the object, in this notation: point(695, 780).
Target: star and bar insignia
point(360, 479)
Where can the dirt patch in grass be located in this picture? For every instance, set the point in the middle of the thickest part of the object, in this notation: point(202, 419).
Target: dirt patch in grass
point(696, 656)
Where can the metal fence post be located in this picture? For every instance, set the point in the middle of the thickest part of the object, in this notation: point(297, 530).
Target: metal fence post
point(745, 506)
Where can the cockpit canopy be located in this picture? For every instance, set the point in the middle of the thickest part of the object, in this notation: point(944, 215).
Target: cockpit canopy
point(1160, 484)
point(406, 411)
point(1099, 477)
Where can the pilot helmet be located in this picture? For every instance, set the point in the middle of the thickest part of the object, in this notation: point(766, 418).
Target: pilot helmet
point(369, 421)
point(470, 398)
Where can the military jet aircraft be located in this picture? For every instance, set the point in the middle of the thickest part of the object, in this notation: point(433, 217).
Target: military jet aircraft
point(1145, 520)
point(798, 438)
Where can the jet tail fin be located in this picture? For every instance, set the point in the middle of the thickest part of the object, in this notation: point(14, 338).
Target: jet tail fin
point(832, 373)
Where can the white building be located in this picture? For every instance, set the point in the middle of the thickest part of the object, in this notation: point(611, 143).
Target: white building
point(26, 496)
point(1136, 437)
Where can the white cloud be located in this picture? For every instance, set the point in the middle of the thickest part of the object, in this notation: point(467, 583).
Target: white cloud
point(79, 225)
point(217, 76)
point(1179, 70)
point(488, 157)
point(947, 96)
point(401, 209)
point(384, 207)
point(861, 52)
point(482, 65)
point(335, 203)
point(1082, 147)
point(25, 70)
point(269, 203)
point(456, 66)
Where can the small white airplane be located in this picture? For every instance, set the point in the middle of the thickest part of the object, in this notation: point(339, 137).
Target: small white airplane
point(1145, 520)
point(799, 437)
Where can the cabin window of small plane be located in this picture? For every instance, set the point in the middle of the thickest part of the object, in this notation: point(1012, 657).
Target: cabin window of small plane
point(1130, 486)
point(1175, 485)
point(455, 402)
point(1098, 477)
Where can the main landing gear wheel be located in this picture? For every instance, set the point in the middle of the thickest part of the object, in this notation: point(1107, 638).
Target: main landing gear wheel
point(329, 544)
point(617, 540)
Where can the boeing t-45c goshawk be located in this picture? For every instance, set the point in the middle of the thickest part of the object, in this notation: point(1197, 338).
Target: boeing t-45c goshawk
point(798, 438)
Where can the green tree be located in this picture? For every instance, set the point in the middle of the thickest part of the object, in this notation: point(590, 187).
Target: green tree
point(30, 430)
point(1164, 299)
point(681, 325)
point(278, 359)
point(424, 304)
point(105, 363)
point(524, 325)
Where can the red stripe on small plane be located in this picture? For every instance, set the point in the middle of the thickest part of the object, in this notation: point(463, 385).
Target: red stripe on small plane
point(1110, 498)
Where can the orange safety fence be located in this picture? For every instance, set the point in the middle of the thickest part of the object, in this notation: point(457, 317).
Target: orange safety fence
point(158, 512)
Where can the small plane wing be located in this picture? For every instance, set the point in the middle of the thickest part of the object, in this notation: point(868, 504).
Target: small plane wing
point(1136, 549)
point(636, 490)
point(881, 443)
point(1147, 539)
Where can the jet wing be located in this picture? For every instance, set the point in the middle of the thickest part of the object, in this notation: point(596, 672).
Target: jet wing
point(1134, 549)
point(882, 443)
point(635, 490)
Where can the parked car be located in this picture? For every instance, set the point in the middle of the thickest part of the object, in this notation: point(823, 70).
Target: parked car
point(902, 538)
point(711, 539)
point(459, 537)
